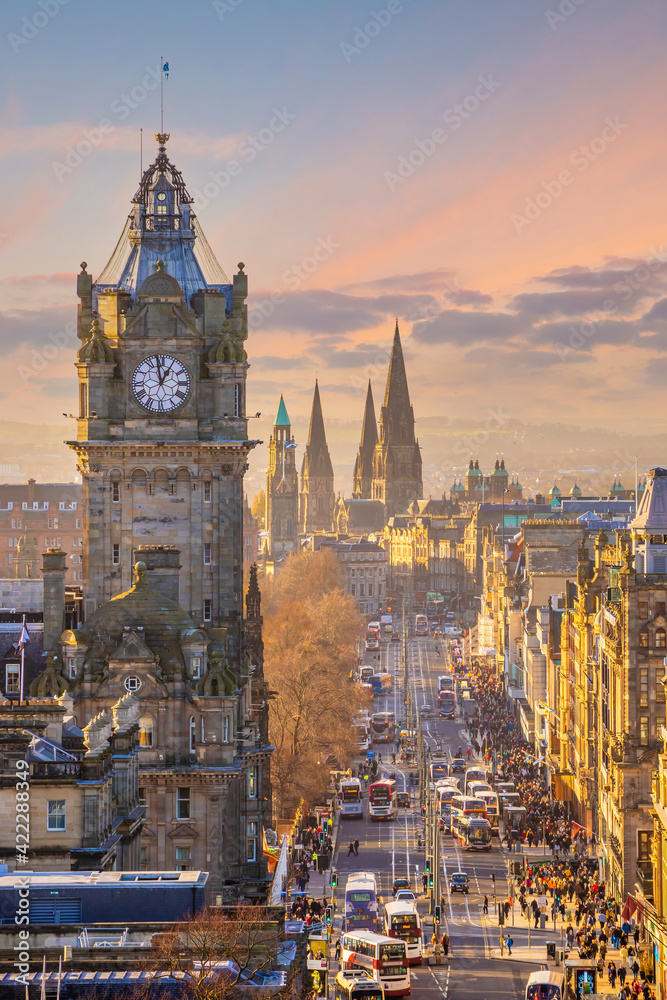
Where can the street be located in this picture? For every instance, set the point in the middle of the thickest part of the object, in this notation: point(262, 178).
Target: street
point(389, 849)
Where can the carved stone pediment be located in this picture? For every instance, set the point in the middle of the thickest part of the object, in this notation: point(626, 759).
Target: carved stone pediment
point(183, 830)
point(132, 650)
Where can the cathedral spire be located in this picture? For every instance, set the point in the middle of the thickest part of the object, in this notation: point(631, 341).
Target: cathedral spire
point(397, 381)
point(363, 466)
point(317, 491)
point(397, 467)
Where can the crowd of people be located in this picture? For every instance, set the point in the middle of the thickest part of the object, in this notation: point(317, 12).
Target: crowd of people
point(575, 895)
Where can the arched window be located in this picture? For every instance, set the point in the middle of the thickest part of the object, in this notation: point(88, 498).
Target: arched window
point(193, 733)
point(145, 731)
point(660, 638)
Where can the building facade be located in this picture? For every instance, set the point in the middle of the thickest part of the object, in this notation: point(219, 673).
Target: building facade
point(37, 516)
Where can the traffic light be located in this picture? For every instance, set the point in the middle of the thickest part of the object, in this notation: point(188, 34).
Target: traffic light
point(428, 865)
point(430, 881)
point(493, 877)
point(501, 915)
point(327, 914)
point(437, 914)
point(334, 878)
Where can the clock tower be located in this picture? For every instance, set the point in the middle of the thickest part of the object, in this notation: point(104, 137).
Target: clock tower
point(162, 435)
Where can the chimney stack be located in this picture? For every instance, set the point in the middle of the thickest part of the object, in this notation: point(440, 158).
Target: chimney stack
point(54, 570)
point(163, 565)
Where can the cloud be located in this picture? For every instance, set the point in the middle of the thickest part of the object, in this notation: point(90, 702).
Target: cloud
point(456, 326)
point(274, 363)
point(424, 281)
point(573, 302)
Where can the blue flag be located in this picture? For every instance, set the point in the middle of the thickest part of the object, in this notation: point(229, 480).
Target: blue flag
point(165, 70)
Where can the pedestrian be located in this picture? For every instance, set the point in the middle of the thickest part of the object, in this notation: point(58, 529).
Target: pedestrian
point(338, 950)
point(622, 973)
point(509, 943)
point(425, 882)
point(356, 847)
point(485, 907)
point(350, 849)
point(445, 944)
point(635, 969)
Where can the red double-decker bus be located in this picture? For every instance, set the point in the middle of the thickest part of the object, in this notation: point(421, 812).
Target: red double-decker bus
point(382, 799)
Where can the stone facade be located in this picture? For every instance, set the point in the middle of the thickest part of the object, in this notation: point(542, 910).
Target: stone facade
point(46, 514)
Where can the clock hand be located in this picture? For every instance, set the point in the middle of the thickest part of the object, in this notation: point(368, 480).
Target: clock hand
point(159, 378)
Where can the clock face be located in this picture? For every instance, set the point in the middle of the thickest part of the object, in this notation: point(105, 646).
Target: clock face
point(161, 383)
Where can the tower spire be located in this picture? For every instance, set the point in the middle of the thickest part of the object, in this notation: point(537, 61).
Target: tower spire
point(363, 466)
point(317, 497)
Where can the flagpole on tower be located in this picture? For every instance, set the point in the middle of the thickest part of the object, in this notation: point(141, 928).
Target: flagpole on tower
point(161, 95)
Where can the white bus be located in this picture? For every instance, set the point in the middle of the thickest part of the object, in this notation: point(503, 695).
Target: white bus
point(476, 773)
point(545, 986)
point(473, 832)
point(361, 902)
point(384, 957)
point(401, 920)
point(349, 795)
point(421, 625)
point(355, 984)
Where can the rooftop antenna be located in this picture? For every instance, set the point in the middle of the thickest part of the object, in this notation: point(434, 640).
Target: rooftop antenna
point(141, 153)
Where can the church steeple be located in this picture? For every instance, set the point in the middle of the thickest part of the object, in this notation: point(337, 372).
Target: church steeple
point(282, 487)
point(363, 466)
point(397, 465)
point(316, 499)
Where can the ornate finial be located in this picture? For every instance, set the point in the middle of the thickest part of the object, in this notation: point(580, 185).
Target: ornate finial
point(83, 266)
point(161, 138)
point(140, 573)
point(159, 266)
point(240, 266)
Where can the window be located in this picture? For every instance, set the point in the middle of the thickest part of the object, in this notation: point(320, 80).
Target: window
point(71, 666)
point(55, 814)
point(644, 843)
point(370, 589)
point(115, 494)
point(207, 491)
point(252, 782)
point(142, 795)
point(659, 564)
point(183, 859)
point(659, 690)
point(362, 590)
point(17, 522)
point(115, 556)
point(145, 731)
point(78, 522)
point(61, 506)
point(251, 852)
point(132, 683)
point(196, 667)
point(83, 400)
point(207, 610)
point(643, 687)
point(237, 400)
point(144, 859)
point(45, 505)
point(74, 504)
point(643, 609)
point(643, 730)
point(193, 733)
point(643, 640)
point(207, 553)
point(182, 803)
point(659, 607)
point(660, 638)
point(225, 729)
point(12, 678)
point(353, 590)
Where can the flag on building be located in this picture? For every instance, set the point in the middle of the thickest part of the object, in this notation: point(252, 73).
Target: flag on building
point(25, 636)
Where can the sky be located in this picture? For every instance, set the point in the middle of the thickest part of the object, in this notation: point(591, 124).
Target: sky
point(490, 172)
